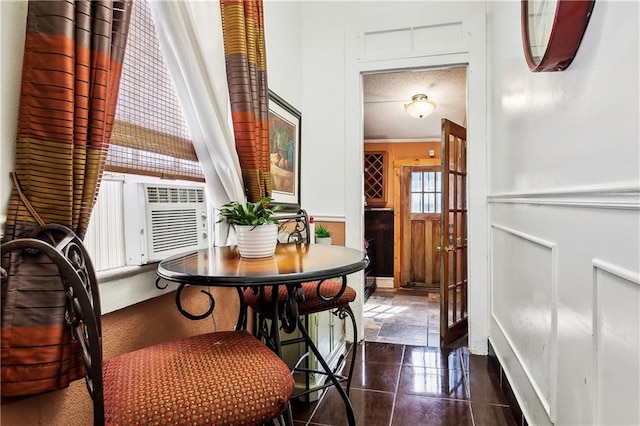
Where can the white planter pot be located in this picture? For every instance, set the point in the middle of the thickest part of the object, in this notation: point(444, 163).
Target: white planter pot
point(324, 240)
point(257, 242)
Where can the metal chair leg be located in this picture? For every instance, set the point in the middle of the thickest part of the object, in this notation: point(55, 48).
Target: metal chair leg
point(349, 408)
point(341, 313)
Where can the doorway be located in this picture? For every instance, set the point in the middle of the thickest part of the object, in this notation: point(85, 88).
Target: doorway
point(392, 40)
point(408, 310)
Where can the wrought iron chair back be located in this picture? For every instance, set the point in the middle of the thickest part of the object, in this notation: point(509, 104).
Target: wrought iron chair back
point(296, 227)
point(68, 253)
point(212, 357)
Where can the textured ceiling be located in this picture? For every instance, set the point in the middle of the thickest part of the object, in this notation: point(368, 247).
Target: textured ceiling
point(386, 93)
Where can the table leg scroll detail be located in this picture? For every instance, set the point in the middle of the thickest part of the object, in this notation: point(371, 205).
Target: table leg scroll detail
point(160, 287)
point(184, 312)
point(289, 313)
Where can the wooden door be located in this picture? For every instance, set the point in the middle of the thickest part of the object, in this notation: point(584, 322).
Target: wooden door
point(421, 188)
point(453, 247)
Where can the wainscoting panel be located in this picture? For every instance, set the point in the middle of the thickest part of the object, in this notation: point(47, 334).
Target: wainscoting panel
point(385, 42)
point(414, 41)
point(425, 30)
point(524, 305)
point(568, 334)
point(616, 321)
point(446, 37)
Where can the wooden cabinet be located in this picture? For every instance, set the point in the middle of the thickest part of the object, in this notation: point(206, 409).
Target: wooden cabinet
point(375, 181)
point(378, 227)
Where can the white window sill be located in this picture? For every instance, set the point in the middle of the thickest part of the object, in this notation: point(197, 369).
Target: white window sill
point(124, 272)
point(123, 287)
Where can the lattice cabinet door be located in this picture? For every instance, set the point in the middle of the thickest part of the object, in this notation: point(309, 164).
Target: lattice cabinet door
point(375, 169)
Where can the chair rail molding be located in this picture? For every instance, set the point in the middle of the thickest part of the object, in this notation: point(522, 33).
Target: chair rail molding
point(619, 196)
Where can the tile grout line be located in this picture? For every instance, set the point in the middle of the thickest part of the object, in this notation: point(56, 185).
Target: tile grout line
point(466, 375)
point(395, 392)
point(324, 393)
point(473, 420)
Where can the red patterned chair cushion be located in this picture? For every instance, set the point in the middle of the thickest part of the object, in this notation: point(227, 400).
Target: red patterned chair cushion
point(222, 378)
point(312, 303)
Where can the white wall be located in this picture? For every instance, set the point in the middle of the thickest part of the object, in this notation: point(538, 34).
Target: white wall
point(554, 129)
point(564, 193)
point(12, 28)
point(284, 50)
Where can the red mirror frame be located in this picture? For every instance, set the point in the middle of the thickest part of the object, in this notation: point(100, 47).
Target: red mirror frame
point(569, 24)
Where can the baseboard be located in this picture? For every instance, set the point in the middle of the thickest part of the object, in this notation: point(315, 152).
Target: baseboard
point(507, 389)
point(384, 282)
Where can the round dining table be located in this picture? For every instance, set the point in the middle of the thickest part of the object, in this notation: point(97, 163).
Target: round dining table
point(292, 265)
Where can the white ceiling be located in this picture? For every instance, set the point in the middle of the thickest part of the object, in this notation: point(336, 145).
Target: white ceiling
point(386, 93)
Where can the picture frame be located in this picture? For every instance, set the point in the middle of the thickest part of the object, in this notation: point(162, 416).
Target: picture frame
point(284, 150)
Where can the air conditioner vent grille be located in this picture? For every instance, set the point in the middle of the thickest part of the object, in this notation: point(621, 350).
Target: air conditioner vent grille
point(162, 194)
point(174, 229)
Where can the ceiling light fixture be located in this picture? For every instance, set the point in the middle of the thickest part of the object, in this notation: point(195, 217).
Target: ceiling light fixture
point(420, 106)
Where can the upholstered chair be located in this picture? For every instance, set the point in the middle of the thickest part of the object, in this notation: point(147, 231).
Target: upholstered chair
point(219, 378)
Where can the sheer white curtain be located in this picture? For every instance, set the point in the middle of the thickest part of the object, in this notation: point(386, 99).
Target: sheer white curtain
point(190, 35)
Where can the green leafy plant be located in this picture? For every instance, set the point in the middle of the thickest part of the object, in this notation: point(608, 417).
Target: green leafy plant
point(322, 232)
point(253, 214)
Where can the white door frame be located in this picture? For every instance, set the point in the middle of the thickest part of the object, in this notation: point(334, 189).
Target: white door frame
point(376, 44)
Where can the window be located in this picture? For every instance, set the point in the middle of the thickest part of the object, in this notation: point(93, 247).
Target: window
point(150, 141)
point(426, 192)
point(150, 136)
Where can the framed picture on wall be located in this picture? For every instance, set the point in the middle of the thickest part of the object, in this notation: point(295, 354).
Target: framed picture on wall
point(284, 144)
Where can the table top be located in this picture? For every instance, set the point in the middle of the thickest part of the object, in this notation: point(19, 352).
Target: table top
point(292, 263)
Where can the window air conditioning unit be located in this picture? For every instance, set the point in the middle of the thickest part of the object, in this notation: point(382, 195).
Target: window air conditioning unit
point(163, 220)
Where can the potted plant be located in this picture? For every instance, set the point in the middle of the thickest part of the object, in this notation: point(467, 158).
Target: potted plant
point(323, 235)
point(255, 225)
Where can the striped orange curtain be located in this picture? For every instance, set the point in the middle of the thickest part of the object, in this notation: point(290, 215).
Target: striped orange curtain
point(246, 60)
point(71, 71)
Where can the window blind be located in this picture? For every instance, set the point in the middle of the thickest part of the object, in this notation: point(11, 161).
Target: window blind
point(150, 136)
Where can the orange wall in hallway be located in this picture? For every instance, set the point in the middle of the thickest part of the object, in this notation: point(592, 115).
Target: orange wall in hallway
point(401, 151)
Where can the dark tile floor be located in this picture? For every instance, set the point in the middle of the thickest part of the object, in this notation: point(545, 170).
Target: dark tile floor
point(410, 384)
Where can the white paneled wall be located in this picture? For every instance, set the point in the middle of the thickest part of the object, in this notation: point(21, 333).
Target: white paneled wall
point(523, 297)
point(564, 211)
point(616, 316)
point(565, 304)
